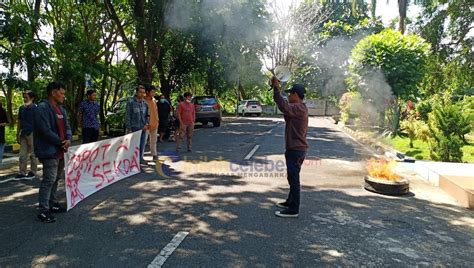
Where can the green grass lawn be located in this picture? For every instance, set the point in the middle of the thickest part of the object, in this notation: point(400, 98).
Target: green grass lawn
point(420, 149)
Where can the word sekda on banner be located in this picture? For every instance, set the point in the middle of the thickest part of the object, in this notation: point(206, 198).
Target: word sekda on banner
point(93, 166)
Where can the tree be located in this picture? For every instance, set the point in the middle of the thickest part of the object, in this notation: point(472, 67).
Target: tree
point(327, 33)
point(141, 25)
point(402, 12)
point(388, 63)
point(448, 125)
point(178, 60)
point(83, 35)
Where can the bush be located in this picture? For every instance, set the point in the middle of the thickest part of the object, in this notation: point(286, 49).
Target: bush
point(388, 66)
point(448, 148)
point(344, 106)
point(400, 58)
point(448, 125)
point(424, 108)
point(409, 126)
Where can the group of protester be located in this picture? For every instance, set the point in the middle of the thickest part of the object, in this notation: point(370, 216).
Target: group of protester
point(44, 133)
point(143, 113)
point(43, 129)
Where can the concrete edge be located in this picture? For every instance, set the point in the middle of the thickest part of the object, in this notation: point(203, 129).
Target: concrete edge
point(464, 196)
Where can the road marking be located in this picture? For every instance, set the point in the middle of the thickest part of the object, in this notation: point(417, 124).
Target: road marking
point(252, 152)
point(166, 252)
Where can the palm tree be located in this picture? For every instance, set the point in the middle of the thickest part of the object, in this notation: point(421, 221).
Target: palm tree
point(373, 7)
point(402, 11)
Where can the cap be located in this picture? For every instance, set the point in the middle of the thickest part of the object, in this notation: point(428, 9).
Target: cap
point(298, 89)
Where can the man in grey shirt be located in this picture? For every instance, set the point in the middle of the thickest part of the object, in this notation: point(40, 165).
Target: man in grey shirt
point(137, 117)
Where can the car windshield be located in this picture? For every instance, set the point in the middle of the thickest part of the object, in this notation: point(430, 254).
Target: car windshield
point(206, 101)
point(254, 103)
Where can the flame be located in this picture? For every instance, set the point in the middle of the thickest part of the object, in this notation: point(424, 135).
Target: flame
point(382, 169)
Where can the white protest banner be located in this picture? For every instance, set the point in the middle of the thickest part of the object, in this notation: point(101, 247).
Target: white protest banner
point(93, 166)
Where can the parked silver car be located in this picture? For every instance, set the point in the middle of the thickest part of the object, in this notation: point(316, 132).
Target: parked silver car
point(208, 110)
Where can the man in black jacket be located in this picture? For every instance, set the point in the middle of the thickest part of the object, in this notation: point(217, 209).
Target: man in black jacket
point(52, 137)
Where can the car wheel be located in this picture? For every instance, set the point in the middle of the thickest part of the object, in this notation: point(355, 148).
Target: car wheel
point(216, 123)
point(204, 123)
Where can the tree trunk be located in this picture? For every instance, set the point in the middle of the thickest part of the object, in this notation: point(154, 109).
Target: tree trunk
point(73, 103)
point(373, 8)
point(30, 64)
point(396, 119)
point(9, 98)
point(211, 77)
point(102, 99)
point(145, 73)
point(402, 11)
point(103, 93)
point(145, 50)
point(166, 88)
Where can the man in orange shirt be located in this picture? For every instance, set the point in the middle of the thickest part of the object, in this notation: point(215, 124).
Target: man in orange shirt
point(153, 125)
point(186, 116)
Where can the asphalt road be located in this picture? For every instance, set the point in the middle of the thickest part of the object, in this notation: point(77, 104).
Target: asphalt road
point(225, 204)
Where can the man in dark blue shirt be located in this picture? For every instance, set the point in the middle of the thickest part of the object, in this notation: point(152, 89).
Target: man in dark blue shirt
point(90, 124)
point(25, 136)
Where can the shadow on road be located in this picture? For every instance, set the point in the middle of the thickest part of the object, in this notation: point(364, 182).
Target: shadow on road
point(231, 221)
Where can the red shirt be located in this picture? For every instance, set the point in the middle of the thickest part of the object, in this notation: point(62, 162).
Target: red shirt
point(61, 127)
point(186, 112)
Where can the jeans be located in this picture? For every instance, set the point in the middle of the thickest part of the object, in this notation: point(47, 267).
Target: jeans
point(53, 171)
point(142, 142)
point(294, 160)
point(26, 151)
point(2, 147)
point(90, 135)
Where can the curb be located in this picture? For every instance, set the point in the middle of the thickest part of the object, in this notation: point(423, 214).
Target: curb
point(375, 145)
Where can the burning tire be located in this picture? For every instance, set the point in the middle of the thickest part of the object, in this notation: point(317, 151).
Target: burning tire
point(386, 187)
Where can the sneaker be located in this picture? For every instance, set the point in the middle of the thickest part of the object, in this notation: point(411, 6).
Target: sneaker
point(283, 205)
point(46, 217)
point(286, 214)
point(57, 208)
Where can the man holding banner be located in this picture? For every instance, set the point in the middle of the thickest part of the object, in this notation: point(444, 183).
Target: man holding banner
point(137, 117)
point(52, 137)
